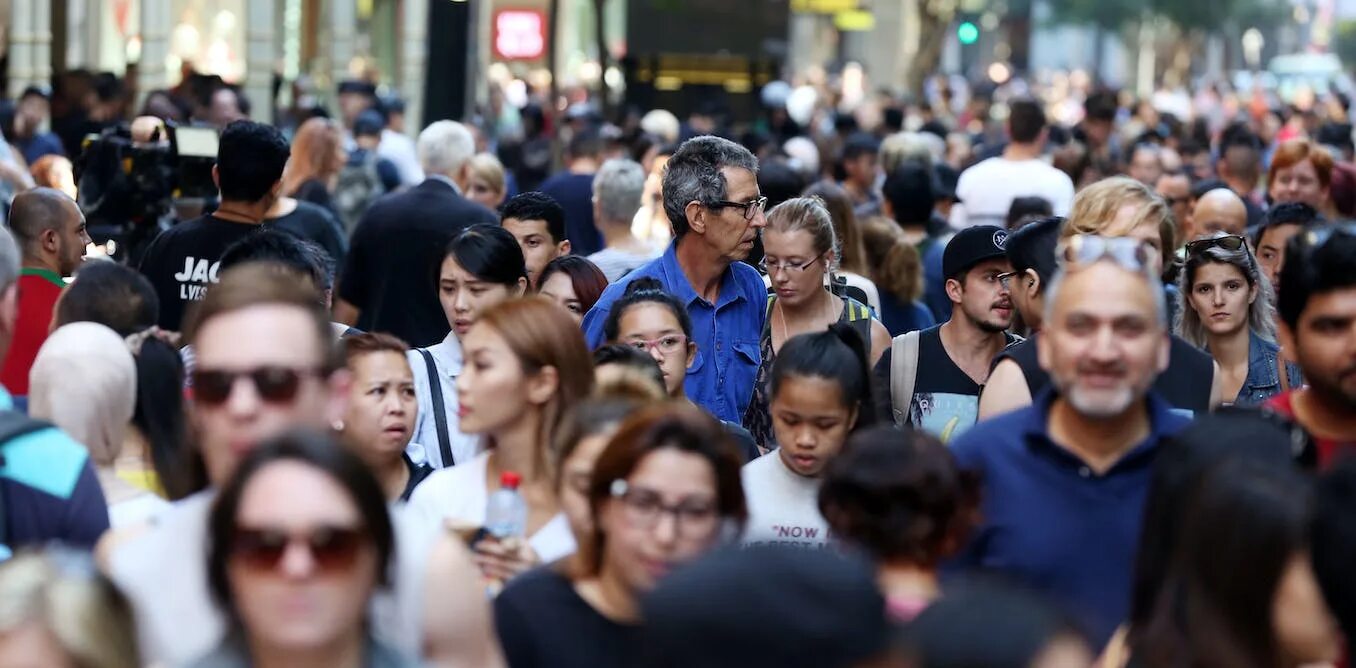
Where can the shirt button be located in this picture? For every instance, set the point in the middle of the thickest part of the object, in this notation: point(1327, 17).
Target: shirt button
point(1084, 471)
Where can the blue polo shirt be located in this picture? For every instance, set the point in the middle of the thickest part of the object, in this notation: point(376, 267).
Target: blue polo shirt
point(726, 333)
point(1050, 522)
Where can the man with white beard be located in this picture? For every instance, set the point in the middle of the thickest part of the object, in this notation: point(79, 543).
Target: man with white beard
point(1065, 478)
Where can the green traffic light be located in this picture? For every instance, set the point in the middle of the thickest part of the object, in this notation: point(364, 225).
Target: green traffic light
point(967, 33)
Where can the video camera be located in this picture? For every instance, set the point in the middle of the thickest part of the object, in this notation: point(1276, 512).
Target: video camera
point(127, 187)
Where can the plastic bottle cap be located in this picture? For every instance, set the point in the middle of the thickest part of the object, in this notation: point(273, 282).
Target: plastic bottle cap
point(510, 480)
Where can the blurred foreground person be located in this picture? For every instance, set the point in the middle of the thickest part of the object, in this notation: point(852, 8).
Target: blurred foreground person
point(994, 627)
point(57, 611)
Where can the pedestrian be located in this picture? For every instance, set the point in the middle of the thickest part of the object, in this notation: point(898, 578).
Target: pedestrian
point(311, 222)
point(527, 367)
point(987, 189)
point(84, 381)
point(385, 287)
point(665, 491)
point(1333, 542)
point(52, 237)
point(485, 185)
point(537, 221)
point(819, 393)
point(1227, 311)
point(56, 609)
point(1281, 223)
point(1317, 306)
point(1019, 630)
point(381, 411)
point(711, 197)
point(287, 377)
point(1114, 208)
point(583, 436)
point(627, 365)
point(1256, 604)
point(318, 155)
point(297, 494)
point(801, 252)
point(1218, 210)
point(935, 375)
point(617, 190)
point(899, 497)
point(482, 268)
point(1090, 439)
point(897, 272)
point(572, 282)
point(573, 189)
point(182, 262)
point(1301, 171)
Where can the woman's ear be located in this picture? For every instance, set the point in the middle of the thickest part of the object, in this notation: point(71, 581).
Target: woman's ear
point(542, 385)
point(852, 418)
point(691, 355)
point(1252, 294)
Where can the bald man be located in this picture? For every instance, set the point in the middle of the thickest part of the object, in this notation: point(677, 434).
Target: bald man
point(1219, 210)
point(50, 231)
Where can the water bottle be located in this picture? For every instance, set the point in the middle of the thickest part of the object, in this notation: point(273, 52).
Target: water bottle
point(506, 511)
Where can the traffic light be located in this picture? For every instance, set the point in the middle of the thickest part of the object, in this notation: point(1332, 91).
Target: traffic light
point(967, 33)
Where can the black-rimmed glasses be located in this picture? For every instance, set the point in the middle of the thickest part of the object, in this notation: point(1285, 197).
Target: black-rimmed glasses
point(751, 207)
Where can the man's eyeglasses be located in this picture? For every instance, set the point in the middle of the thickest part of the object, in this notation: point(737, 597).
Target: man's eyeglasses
point(275, 384)
point(1085, 249)
point(667, 345)
point(751, 207)
point(1005, 279)
point(770, 267)
point(643, 508)
point(1229, 242)
point(333, 549)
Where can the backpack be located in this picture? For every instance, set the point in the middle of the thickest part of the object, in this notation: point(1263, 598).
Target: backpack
point(359, 185)
point(903, 374)
point(13, 424)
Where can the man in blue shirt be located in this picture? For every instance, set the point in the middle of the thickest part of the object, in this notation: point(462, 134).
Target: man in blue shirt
point(1065, 479)
point(711, 197)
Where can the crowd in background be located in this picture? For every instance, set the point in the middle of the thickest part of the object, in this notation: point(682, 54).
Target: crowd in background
point(1013, 377)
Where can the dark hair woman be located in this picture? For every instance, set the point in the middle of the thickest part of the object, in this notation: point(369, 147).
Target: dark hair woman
point(665, 491)
point(482, 267)
point(573, 282)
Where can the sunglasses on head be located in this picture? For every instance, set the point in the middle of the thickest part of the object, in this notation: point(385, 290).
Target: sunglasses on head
point(1229, 242)
point(332, 548)
point(1085, 249)
point(275, 384)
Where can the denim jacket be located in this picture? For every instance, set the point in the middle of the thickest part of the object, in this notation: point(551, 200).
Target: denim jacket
point(1264, 380)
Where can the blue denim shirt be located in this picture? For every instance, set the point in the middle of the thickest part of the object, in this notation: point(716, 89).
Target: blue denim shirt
point(726, 333)
point(1264, 379)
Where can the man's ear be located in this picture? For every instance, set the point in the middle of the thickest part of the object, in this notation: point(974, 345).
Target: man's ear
point(1033, 284)
point(522, 287)
point(216, 177)
point(563, 248)
point(954, 290)
point(696, 217)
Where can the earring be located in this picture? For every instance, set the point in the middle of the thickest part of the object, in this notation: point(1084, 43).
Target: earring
point(337, 425)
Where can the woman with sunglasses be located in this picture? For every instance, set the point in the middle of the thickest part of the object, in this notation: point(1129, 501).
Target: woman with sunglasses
point(527, 366)
point(800, 250)
point(665, 491)
point(1228, 312)
point(381, 411)
point(655, 322)
point(300, 540)
point(821, 393)
point(482, 267)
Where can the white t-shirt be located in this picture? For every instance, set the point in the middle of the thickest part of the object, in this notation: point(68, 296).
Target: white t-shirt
point(163, 573)
point(987, 189)
point(617, 263)
point(459, 493)
point(783, 505)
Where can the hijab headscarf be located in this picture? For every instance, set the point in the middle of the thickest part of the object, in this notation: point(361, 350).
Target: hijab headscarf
point(84, 380)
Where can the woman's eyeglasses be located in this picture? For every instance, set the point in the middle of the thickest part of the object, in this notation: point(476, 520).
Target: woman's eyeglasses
point(332, 548)
point(275, 384)
point(797, 267)
point(1229, 242)
point(751, 207)
point(667, 345)
point(643, 508)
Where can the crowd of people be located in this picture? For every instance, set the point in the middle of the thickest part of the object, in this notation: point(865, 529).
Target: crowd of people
point(986, 391)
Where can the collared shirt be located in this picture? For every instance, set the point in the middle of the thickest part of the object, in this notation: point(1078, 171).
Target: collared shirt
point(424, 447)
point(1050, 521)
point(726, 333)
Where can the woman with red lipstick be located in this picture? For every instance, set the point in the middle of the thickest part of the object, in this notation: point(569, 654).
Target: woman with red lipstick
point(821, 393)
point(526, 367)
point(800, 254)
point(381, 411)
point(665, 491)
point(482, 267)
point(1228, 312)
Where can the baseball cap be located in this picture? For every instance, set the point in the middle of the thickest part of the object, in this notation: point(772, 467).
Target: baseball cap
point(971, 246)
point(356, 86)
point(368, 123)
point(767, 606)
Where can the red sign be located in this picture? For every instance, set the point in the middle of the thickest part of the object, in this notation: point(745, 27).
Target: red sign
point(519, 34)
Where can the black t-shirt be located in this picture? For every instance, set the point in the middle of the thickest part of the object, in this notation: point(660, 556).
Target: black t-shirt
point(316, 224)
point(183, 260)
point(1185, 384)
point(945, 398)
point(542, 621)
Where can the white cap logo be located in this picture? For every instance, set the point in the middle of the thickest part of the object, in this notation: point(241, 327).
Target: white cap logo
point(1000, 239)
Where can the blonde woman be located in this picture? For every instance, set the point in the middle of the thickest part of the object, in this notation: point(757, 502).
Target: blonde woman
point(57, 610)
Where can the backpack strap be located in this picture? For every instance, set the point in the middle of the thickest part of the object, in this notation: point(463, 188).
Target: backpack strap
point(435, 386)
point(903, 373)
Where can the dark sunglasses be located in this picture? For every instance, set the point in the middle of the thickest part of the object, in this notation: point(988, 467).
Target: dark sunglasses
point(275, 384)
point(1229, 242)
point(333, 549)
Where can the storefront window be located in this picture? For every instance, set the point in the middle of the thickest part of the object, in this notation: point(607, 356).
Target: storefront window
point(209, 35)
